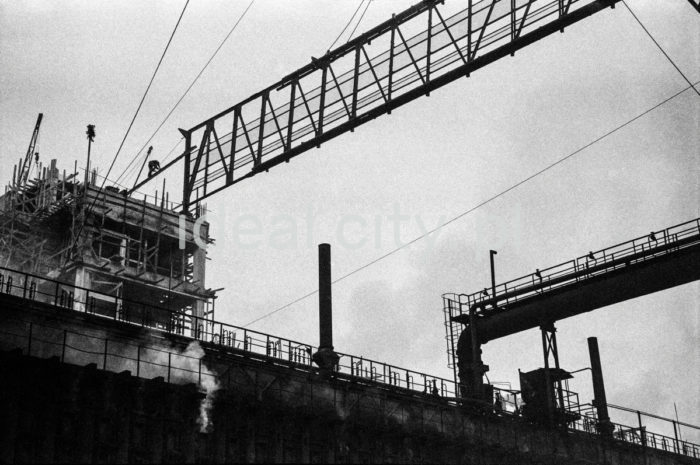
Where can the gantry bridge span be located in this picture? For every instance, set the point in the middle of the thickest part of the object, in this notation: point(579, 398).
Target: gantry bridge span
point(400, 60)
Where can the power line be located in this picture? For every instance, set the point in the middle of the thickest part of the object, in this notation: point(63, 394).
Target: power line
point(360, 20)
point(190, 86)
point(472, 209)
point(162, 56)
point(146, 92)
point(348, 24)
point(660, 47)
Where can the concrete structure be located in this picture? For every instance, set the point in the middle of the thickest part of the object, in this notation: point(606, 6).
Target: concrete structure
point(80, 387)
point(122, 247)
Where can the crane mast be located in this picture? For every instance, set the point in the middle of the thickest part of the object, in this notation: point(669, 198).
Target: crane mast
point(26, 165)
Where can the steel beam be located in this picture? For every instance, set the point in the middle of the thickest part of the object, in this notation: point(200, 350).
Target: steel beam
point(406, 57)
point(673, 269)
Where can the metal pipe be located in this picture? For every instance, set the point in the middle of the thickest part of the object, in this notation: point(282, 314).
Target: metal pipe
point(599, 401)
point(325, 301)
point(493, 277)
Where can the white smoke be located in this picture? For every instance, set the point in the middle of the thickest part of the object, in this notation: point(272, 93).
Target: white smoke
point(154, 360)
point(208, 382)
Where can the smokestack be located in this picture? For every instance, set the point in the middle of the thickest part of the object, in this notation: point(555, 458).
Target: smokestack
point(325, 358)
point(325, 299)
point(600, 402)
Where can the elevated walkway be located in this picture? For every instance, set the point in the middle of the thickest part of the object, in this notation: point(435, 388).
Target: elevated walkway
point(644, 265)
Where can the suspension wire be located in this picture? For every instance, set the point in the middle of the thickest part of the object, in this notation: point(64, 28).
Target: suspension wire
point(483, 203)
point(359, 20)
point(146, 92)
point(165, 50)
point(348, 24)
point(660, 47)
point(190, 86)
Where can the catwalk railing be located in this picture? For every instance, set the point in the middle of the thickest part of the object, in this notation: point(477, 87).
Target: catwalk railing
point(65, 296)
point(148, 360)
point(406, 57)
point(590, 266)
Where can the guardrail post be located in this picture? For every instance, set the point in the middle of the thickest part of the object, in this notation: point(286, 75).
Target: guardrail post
point(642, 432)
point(29, 344)
point(138, 360)
point(55, 297)
point(104, 363)
point(63, 347)
point(675, 433)
point(169, 356)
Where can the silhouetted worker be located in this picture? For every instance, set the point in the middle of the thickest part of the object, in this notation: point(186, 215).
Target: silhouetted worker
point(485, 292)
point(435, 389)
point(498, 403)
point(538, 274)
point(652, 237)
point(591, 256)
point(153, 167)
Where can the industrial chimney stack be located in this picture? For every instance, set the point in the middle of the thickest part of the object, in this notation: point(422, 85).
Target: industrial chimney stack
point(325, 358)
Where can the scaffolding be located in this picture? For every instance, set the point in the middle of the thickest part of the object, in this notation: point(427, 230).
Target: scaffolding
point(104, 240)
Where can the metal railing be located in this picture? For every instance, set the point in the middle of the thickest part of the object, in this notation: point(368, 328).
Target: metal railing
point(65, 296)
point(588, 423)
point(117, 355)
point(590, 265)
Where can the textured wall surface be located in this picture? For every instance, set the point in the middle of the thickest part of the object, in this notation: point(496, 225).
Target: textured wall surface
point(70, 411)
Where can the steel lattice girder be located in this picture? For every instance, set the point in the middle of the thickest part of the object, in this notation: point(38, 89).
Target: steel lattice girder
point(408, 56)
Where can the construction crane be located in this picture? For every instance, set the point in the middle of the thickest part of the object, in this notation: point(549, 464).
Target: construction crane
point(408, 56)
point(26, 164)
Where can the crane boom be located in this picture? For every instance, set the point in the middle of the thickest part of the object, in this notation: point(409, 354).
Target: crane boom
point(27, 163)
point(406, 57)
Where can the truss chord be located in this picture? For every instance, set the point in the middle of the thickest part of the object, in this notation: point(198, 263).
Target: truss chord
point(438, 53)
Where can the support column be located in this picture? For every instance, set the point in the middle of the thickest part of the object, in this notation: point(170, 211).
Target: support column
point(605, 428)
point(325, 358)
point(549, 348)
point(186, 186)
point(199, 258)
point(471, 368)
point(82, 280)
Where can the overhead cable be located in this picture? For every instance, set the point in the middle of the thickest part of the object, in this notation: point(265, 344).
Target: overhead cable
point(485, 202)
point(206, 65)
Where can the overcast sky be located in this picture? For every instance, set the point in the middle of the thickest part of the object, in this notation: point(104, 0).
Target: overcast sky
point(89, 62)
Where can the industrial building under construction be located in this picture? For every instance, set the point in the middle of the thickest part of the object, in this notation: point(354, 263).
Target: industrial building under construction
point(111, 350)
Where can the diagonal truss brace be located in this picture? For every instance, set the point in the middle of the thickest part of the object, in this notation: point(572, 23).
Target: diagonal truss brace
point(406, 57)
